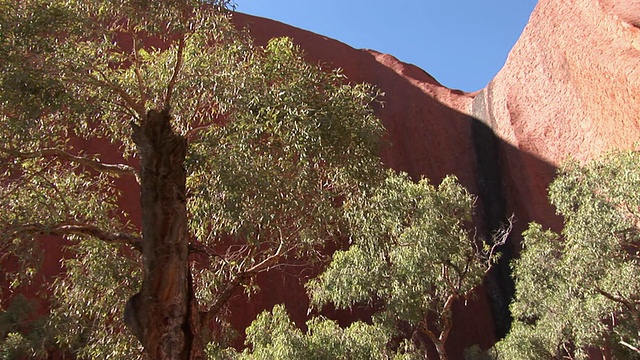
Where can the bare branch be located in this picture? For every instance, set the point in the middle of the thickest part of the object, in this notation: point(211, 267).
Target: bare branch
point(624, 343)
point(425, 329)
point(446, 318)
point(268, 262)
point(498, 239)
point(501, 235)
point(224, 295)
point(136, 68)
point(78, 229)
point(239, 279)
point(115, 169)
point(445, 276)
point(137, 106)
point(174, 76)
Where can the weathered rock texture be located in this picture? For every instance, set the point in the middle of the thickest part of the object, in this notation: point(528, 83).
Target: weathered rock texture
point(569, 89)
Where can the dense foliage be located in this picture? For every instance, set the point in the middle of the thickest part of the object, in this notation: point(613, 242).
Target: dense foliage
point(274, 336)
point(577, 292)
point(411, 256)
point(274, 144)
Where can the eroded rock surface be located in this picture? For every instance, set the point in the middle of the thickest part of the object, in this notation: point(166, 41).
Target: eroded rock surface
point(570, 89)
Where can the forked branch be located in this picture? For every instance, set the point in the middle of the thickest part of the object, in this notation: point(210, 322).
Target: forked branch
point(499, 238)
point(130, 102)
point(239, 279)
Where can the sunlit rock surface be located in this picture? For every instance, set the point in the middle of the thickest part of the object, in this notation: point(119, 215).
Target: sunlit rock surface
point(570, 88)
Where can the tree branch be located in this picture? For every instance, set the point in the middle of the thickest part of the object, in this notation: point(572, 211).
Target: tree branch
point(115, 169)
point(268, 262)
point(624, 343)
point(499, 238)
point(137, 106)
point(629, 305)
point(446, 317)
point(425, 329)
point(174, 76)
point(445, 276)
point(136, 68)
point(238, 279)
point(79, 229)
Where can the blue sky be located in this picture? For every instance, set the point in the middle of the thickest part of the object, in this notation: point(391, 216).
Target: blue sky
point(462, 43)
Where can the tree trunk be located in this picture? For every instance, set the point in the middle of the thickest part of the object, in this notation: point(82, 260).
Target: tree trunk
point(442, 352)
point(163, 315)
point(438, 341)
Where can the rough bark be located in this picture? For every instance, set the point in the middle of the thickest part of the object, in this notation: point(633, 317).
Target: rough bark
point(163, 315)
point(438, 342)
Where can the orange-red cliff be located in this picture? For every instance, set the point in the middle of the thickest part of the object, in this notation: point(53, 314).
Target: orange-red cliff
point(570, 88)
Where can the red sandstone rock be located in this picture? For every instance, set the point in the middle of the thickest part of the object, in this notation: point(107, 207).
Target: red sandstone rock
point(569, 89)
point(430, 135)
point(626, 10)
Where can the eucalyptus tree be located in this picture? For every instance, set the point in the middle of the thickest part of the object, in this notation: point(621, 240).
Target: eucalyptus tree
point(577, 292)
point(274, 336)
point(411, 257)
point(242, 155)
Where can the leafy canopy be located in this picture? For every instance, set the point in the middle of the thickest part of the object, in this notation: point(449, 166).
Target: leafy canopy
point(410, 257)
point(275, 145)
point(274, 336)
point(579, 290)
point(409, 249)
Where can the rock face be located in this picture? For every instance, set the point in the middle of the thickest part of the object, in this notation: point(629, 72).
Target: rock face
point(570, 89)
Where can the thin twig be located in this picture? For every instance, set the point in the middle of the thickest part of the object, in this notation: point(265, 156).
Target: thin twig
point(500, 238)
point(137, 106)
point(136, 68)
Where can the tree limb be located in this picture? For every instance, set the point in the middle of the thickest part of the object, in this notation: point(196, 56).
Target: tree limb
point(624, 343)
point(629, 305)
point(174, 76)
point(78, 229)
point(136, 68)
point(240, 278)
point(446, 318)
point(445, 276)
point(267, 263)
point(425, 329)
point(137, 106)
point(499, 238)
point(115, 169)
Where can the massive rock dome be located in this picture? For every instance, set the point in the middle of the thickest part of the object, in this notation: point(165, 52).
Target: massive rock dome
point(570, 88)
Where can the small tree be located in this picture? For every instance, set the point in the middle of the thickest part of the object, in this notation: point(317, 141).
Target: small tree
point(274, 336)
point(241, 154)
point(578, 291)
point(411, 258)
